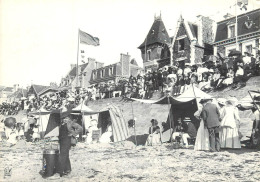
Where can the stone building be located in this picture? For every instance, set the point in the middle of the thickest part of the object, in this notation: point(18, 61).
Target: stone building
point(154, 50)
point(115, 72)
point(84, 74)
point(248, 33)
point(192, 41)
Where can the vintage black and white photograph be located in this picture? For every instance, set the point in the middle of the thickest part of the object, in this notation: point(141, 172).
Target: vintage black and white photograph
point(129, 90)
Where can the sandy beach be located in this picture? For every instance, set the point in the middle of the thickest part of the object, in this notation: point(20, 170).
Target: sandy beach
point(126, 162)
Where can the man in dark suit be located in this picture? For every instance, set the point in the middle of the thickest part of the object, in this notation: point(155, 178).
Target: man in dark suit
point(69, 128)
point(211, 115)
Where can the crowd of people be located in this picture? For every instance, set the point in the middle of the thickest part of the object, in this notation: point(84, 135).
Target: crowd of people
point(174, 80)
point(10, 108)
point(219, 128)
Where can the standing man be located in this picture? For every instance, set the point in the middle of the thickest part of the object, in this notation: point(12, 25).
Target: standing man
point(68, 129)
point(211, 117)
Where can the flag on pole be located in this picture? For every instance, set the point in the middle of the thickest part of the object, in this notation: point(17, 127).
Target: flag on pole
point(242, 4)
point(88, 39)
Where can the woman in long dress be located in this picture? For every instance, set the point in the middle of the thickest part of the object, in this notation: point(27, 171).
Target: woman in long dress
point(154, 137)
point(229, 137)
point(202, 138)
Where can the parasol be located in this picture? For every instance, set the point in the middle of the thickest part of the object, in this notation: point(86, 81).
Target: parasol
point(234, 53)
point(10, 122)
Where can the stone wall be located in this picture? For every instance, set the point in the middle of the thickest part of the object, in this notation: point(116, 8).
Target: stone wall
point(199, 52)
point(207, 30)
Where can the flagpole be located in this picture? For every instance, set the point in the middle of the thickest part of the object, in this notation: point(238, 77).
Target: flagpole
point(77, 75)
point(236, 26)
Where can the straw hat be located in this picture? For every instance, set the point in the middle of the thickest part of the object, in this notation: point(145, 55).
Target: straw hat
point(222, 101)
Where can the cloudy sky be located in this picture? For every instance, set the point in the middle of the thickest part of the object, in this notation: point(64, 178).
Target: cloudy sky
point(38, 38)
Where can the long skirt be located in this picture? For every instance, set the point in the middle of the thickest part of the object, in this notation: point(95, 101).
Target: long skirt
point(153, 139)
point(202, 138)
point(229, 137)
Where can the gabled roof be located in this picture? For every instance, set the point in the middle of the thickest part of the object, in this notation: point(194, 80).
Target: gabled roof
point(244, 28)
point(73, 71)
point(157, 34)
point(6, 89)
point(191, 30)
point(47, 89)
point(38, 88)
point(194, 29)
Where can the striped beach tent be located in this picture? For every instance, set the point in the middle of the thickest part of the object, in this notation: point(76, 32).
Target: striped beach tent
point(119, 126)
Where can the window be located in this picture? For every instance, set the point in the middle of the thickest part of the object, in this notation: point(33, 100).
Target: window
point(181, 45)
point(94, 75)
point(249, 49)
point(231, 31)
point(102, 73)
point(111, 71)
point(149, 55)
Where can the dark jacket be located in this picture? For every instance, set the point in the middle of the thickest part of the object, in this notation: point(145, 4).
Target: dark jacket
point(73, 129)
point(210, 115)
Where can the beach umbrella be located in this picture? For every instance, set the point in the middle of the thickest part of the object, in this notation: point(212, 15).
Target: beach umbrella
point(10, 122)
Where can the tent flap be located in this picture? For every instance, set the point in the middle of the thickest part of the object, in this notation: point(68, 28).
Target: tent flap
point(119, 127)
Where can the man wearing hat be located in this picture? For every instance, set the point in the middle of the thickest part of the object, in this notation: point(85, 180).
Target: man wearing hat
point(211, 117)
point(68, 129)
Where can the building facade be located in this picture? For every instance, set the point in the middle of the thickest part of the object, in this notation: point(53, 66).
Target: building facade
point(247, 30)
point(192, 41)
point(84, 74)
point(115, 72)
point(155, 48)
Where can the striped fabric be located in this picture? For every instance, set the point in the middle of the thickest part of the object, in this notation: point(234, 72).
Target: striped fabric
point(119, 127)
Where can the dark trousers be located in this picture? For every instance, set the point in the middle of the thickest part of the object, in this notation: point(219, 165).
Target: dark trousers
point(64, 159)
point(214, 139)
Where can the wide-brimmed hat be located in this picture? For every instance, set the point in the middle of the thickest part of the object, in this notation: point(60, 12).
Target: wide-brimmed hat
point(222, 101)
point(204, 100)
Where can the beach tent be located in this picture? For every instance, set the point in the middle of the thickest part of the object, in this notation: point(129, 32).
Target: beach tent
point(119, 127)
point(49, 122)
point(182, 106)
point(43, 120)
point(87, 115)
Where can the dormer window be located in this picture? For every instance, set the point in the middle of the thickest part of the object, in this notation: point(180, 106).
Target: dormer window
point(148, 55)
point(102, 73)
point(181, 45)
point(231, 31)
point(111, 71)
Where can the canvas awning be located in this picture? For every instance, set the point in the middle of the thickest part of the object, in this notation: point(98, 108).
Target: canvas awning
point(189, 95)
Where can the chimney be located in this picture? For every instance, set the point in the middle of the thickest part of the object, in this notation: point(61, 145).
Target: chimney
point(16, 86)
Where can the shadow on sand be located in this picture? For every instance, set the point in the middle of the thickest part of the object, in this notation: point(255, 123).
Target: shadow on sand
point(141, 139)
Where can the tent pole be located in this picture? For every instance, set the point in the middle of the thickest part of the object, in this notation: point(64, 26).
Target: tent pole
point(134, 122)
point(195, 96)
point(253, 101)
point(169, 108)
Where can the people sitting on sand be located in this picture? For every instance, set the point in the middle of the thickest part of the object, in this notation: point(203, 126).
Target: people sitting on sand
point(36, 133)
point(20, 131)
point(29, 135)
point(154, 137)
point(93, 126)
point(179, 135)
point(107, 136)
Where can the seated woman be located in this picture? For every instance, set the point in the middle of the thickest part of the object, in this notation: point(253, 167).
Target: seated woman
point(180, 131)
point(106, 137)
point(154, 137)
point(92, 127)
point(230, 77)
